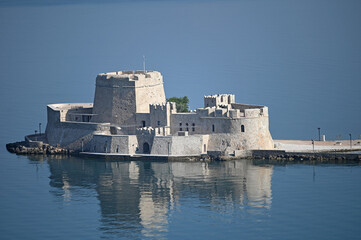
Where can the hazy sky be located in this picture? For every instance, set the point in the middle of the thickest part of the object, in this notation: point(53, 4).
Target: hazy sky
point(300, 58)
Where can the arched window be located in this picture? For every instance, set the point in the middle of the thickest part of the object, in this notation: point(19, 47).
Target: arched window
point(242, 128)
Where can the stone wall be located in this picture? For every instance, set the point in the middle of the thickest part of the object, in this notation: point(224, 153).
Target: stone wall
point(149, 90)
point(160, 114)
point(71, 135)
point(114, 100)
point(122, 144)
point(179, 145)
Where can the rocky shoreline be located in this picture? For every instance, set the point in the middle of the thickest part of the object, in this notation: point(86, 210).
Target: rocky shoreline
point(23, 148)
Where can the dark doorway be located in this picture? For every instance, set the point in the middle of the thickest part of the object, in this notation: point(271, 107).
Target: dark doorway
point(146, 148)
point(143, 123)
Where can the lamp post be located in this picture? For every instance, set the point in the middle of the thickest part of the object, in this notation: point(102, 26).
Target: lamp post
point(36, 138)
point(350, 140)
point(319, 134)
point(39, 128)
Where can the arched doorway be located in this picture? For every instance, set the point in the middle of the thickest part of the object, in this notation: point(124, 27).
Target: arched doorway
point(146, 148)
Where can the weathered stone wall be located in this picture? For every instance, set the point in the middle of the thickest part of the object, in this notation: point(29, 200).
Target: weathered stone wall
point(179, 145)
point(160, 114)
point(122, 144)
point(70, 134)
point(149, 89)
point(114, 100)
point(140, 117)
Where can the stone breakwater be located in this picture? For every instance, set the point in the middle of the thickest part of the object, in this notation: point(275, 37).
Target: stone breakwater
point(330, 157)
point(23, 148)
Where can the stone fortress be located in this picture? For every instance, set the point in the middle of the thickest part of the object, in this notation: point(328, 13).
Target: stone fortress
point(130, 116)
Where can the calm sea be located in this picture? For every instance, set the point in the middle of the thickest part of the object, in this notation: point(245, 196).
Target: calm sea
point(300, 58)
point(74, 198)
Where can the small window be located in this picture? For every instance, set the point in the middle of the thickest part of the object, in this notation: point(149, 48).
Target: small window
point(180, 127)
point(158, 123)
point(213, 128)
point(193, 127)
point(242, 128)
point(117, 148)
point(187, 126)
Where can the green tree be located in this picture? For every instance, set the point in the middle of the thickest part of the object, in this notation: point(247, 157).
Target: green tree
point(181, 103)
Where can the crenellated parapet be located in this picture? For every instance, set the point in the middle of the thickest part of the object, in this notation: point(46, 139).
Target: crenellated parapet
point(145, 131)
point(229, 112)
point(218, 100)
point(130, 75)
point(171, 106)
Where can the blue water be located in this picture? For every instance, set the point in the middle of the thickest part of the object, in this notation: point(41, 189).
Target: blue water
point(300, 58)
point(73, 198)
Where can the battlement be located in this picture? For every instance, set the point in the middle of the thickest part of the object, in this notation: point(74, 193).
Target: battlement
point(130, 75)
point(146, 131)
point(248, 111)
point(218, 112)
point(163, 107)
point(218, 100)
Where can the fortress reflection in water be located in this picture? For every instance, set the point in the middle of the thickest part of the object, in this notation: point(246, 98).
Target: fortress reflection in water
point(141, 196)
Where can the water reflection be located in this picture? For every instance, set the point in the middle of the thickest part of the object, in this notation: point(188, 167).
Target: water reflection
point(137, 198)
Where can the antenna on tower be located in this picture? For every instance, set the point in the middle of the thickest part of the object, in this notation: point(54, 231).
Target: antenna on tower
point(144, 64)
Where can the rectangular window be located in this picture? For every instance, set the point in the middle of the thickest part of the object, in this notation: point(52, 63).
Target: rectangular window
point(158, 123)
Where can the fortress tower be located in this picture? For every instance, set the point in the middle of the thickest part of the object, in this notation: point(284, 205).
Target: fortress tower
point(120, 95)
